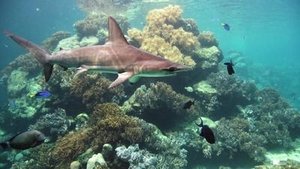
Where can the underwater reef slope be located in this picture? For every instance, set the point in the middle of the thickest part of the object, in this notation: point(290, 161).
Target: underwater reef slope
point(144, 125)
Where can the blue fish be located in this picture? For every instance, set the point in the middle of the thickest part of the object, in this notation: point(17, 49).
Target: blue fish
point(226, 26)
point(43, 94)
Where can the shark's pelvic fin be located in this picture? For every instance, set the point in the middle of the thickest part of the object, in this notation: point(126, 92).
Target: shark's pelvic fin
point(115, 33)
point(134, 79)
point(121, 78)
point(80, 70)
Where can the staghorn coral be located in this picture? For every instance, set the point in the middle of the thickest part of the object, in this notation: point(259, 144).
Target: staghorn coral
point(158, 100)
point(163, 36)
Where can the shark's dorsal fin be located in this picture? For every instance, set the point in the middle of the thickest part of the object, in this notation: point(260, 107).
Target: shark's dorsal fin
point(115, 33)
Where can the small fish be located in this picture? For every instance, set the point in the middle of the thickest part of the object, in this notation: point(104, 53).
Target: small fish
point(43, 94)
point(206, 132)
point(293, 96)
point(230, 69)
point(188, 104)
point(226, 26)
point(25, 140)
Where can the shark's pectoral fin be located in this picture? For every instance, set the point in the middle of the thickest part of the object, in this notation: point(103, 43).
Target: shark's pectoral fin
point(121, 78)
point(134, 79)
point(80, 70)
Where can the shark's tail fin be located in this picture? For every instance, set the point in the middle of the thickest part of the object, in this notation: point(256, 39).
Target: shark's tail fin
point(40, 54)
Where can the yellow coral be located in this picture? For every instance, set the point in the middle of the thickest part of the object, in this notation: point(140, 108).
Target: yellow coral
point(163, 37)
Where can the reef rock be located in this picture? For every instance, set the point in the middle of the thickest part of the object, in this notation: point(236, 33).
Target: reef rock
point(96, 162)
point(138, 159)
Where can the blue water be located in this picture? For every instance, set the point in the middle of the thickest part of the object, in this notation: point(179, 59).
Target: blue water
point(266, 33)
point(35, 20)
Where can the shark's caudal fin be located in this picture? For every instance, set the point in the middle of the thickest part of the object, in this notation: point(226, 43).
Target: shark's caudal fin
point(40, 54)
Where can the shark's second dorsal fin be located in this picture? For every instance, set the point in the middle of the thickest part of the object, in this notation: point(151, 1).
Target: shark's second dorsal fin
point(115, 33)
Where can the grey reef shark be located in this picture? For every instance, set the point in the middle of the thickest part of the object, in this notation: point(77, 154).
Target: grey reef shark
point(115, 56)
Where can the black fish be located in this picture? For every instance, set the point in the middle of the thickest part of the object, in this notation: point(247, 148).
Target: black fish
point(206, 132)
point(230, 69)
point(25, 140)
point(226, 26)
point(188, 104)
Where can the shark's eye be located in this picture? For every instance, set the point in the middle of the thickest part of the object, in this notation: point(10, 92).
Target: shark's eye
point(172, 69)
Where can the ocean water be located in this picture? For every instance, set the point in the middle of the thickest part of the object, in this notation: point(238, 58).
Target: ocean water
point(263, 43)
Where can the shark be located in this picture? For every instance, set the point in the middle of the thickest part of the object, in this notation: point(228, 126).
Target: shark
point(115, 56)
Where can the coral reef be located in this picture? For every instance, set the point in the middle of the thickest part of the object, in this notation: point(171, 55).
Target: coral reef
point(164, 35)
point(159, 100)
point(96, 162)
point(230, 92)
point(94, 25)
point(92, 88)
point(283, 165)
point(53, 124)
point(236, 136)
point(207, 39)
point(51, 42)
point(137, 158)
